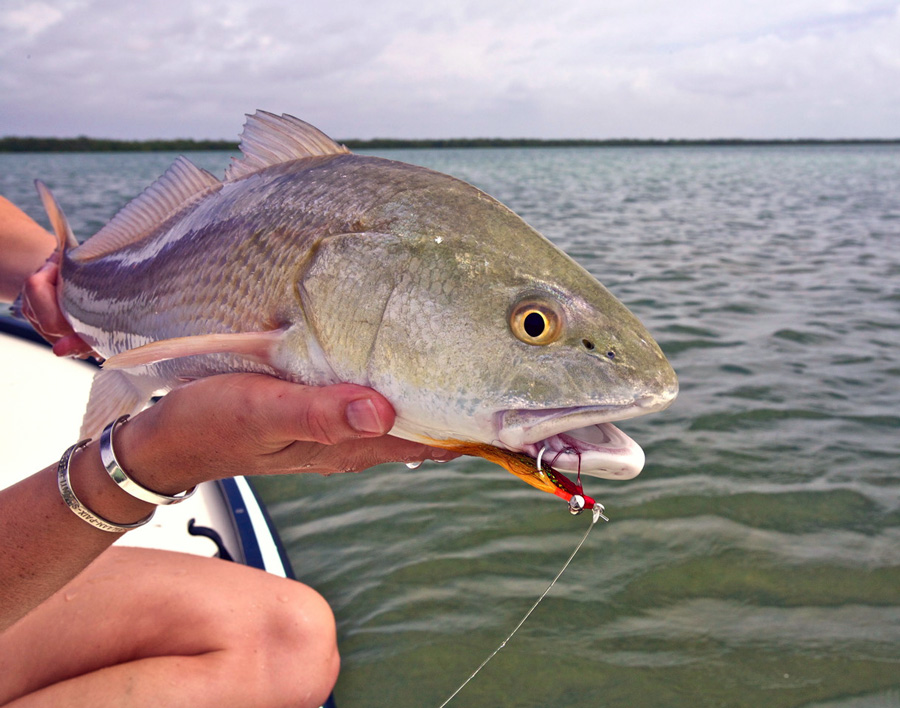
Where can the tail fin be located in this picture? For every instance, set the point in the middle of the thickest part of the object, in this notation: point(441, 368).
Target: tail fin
point(65, 239)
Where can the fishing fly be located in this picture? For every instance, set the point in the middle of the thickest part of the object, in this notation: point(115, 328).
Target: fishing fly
point(574, 493)
point(577, 504)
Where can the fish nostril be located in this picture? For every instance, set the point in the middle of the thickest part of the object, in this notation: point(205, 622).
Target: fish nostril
point(588, 344)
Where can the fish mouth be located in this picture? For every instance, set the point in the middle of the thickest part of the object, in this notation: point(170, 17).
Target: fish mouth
point(578, 440)
point(600, 450)
point(538, 446)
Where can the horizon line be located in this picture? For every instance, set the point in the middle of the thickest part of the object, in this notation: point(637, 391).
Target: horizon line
point(84, 143)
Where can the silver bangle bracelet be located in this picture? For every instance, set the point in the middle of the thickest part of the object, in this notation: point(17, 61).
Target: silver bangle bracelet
point(126, 483)
point(72, 501)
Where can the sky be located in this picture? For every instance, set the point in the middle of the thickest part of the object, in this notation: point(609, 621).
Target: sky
point(453, 68)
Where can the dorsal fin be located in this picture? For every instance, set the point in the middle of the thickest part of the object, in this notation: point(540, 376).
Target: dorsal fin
point(268, 140)
point(181, 185)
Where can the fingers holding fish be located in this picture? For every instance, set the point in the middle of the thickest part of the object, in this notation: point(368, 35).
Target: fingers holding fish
point(38, 299)
point(339, 428)
point(275, 412)
point(41, 308)
point(235, 424)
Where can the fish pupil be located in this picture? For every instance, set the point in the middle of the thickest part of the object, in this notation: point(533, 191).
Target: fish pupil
point(535, 323)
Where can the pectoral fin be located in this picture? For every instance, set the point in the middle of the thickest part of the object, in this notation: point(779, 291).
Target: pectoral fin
point(258, 346)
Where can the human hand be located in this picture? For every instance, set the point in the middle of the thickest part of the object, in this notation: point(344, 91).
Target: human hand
point(41, 308)
point(246, 424)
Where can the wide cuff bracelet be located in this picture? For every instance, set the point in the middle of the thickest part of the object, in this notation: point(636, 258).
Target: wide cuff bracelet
point(72, 501)
point(126, 483)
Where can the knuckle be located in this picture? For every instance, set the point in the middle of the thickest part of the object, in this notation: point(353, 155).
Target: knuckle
point(319, 428)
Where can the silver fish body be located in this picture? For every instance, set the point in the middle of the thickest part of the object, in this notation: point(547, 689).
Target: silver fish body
point(319, 266)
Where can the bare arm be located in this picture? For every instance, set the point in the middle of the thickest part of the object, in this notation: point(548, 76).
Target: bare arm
point(27, 265)
point(213, 428)
point(25, 246)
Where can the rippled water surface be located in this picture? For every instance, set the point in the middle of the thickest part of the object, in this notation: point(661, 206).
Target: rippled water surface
point(755, 561)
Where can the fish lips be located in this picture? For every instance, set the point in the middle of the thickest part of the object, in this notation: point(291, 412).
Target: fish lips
point(579, 439)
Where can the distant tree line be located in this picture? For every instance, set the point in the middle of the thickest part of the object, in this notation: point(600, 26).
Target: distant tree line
point(86, 144)
point(386, 143)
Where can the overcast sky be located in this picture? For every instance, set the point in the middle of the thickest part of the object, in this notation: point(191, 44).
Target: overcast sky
point(453, 68)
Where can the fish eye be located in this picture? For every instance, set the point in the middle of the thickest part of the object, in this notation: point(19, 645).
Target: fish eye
point(536, 322)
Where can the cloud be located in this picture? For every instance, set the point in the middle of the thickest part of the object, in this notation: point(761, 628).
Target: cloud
point(641, 68)
point(30, 19)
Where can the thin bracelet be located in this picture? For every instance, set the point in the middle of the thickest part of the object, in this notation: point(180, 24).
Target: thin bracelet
point(72, 501)
point(126, 483)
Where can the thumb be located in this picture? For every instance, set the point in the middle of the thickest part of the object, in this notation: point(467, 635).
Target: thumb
point(326, 414)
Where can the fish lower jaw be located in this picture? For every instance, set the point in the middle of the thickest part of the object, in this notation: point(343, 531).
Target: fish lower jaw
point(577, 440)
point(600, 450)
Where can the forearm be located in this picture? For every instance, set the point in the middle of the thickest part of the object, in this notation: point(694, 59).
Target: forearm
point(24, 246)
point(44, 544)
point(212, 428)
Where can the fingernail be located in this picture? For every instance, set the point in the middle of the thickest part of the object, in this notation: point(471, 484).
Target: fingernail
point(363, 417)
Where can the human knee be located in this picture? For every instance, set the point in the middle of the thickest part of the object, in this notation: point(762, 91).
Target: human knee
point(300, 623)
point(296, 645)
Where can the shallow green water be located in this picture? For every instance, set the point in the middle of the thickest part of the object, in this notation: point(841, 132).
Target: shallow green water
point(755, 561)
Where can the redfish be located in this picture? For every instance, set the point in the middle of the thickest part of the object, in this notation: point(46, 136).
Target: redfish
point(320, 266)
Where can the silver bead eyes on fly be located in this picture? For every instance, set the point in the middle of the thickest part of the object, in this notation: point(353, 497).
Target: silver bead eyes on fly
point(576, 504)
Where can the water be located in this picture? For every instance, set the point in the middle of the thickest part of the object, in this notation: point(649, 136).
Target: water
point(755, 561)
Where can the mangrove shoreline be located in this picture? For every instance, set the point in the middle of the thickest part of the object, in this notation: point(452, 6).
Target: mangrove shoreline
point(86, 144)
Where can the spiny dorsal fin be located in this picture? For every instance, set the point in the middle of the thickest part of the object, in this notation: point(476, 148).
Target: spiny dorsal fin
point(268, 140)
point(181, 185)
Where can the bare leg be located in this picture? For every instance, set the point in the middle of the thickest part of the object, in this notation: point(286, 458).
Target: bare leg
point(143, 627)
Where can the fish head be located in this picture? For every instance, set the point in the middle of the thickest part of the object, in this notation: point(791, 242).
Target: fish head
point(564, 360)
point(581, 361)
point(485, 336)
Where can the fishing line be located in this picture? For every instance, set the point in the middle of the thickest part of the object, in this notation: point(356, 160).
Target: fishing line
point(597, 515)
